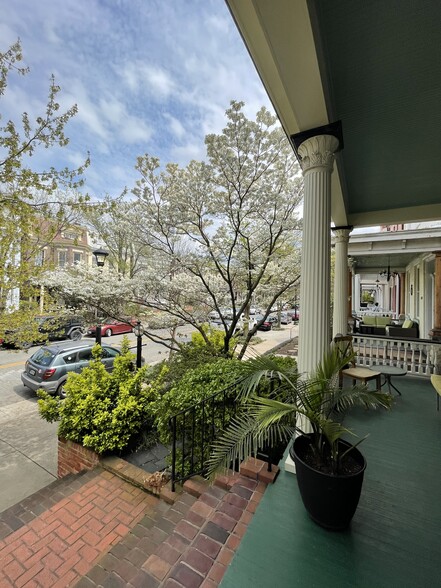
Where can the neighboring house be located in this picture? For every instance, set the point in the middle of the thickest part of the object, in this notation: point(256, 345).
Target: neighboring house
point(397, 266)
point(48, 247)
point(69, 246)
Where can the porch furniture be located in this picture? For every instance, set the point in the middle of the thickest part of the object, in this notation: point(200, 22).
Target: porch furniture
point(388, 371)
point(408, 330)
point(364, 375)
point(374, 325)
point(436, 383)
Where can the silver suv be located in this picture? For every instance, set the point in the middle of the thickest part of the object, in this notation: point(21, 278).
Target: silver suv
point(48, 367)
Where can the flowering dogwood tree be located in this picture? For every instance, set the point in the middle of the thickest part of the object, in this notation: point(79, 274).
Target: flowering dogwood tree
point(222, 233)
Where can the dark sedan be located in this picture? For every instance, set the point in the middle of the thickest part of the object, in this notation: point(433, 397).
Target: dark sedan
point(265, 326)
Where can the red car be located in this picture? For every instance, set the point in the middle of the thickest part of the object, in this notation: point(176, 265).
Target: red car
point(113, 327)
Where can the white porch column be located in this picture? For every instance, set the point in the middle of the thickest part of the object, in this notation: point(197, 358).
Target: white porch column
point(316, 158)
point(340, 315)
point(386, 296)
point(316, 155)
point(356, 293)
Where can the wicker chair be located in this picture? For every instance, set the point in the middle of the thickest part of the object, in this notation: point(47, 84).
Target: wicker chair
point(362, 374)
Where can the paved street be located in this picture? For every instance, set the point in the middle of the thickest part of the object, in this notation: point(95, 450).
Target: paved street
point(28, 444)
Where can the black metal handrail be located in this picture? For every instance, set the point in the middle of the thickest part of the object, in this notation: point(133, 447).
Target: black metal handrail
point(195, 428)
point(207, 419)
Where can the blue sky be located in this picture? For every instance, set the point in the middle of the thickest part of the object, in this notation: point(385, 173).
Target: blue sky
point(148, 76)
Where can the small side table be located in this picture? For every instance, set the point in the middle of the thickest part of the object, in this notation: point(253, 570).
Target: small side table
point(388, 371)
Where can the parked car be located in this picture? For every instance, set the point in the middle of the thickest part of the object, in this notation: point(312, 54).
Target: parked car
point(285, 319)
point(293, 313)
point(265, 326)
point(45, 328)
point(62, 327)
point(111, 327)
point(49, 366)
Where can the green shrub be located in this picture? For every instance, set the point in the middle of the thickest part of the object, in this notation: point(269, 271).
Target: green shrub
point(216, 338)
point(190, 356)
point(200, 427)
point(102, 410)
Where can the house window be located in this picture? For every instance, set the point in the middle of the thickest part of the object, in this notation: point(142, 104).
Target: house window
point(39, 258)
point(62, 258)
point(70, 235)
point(77, 257)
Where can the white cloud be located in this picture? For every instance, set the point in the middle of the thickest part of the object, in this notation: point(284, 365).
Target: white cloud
point(152, 81)
point(158, 81)
point(134, 130)
point(176, 126)
point(147, 77)
point(183, 154)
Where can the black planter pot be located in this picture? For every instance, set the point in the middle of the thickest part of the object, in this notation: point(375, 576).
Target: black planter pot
point(330, 500)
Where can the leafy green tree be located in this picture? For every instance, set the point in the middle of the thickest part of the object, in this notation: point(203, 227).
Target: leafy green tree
point(28, 195)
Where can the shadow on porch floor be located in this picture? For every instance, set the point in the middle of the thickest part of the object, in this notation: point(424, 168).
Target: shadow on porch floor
point(395, 536)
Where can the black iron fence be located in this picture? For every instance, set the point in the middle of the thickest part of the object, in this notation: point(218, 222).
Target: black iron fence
point(196, 428)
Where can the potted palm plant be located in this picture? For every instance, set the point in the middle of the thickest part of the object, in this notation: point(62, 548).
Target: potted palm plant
point(329, 469)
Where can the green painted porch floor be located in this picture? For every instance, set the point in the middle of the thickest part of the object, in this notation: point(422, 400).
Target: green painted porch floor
point(395, 536)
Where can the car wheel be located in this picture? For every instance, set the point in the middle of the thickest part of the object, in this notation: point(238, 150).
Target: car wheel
point(108, 332)
point(25, 345)
point(75, 335)
point(61, 390)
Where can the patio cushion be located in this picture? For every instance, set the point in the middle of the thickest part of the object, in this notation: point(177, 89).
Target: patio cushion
point(377, 321)
point(408, 324)
point(383, 321)
point(369, 321)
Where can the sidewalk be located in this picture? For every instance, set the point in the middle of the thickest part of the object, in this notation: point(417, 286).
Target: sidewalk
point(95, 529)
point(278, 339)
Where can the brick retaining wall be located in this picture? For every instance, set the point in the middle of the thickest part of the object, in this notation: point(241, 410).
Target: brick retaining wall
point(74, 458)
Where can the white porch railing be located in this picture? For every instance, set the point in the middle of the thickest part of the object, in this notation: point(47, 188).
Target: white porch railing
point(418, 356)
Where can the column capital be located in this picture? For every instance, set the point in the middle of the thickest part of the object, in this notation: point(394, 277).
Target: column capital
point(316, 147)
point(341, 234)
point(318, 151)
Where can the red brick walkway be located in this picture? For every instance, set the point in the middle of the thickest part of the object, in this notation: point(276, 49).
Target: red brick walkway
point(60, 545)
point(96, 529)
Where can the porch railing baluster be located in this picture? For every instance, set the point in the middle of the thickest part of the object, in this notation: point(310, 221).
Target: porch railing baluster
point(417, 356)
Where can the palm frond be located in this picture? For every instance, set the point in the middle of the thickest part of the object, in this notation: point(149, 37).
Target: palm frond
point(256, 369)
point(267, 411)
point(266, 420)
point(241, 439)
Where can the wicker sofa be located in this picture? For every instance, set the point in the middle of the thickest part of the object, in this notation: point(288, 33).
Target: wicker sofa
point(408, 330)
point(374, 325)
point(384, 326)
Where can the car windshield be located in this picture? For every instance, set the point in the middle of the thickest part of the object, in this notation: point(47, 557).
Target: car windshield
point(43, 357)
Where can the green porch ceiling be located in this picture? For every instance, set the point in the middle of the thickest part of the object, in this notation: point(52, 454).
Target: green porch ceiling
point(382, 78)
point(376, 66)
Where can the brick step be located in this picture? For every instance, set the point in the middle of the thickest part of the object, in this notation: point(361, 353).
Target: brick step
point(96, 528)
point(188, 543)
